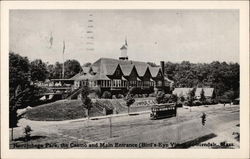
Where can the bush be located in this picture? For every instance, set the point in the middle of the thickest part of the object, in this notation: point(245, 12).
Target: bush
point(197, 103)
point(135, 96)
point(97, 91)
point(179, 104)
point(152, 95)
point(106, 95)
point(27, 131)
point(187, 103)
point(135, 90)
point(119, 96)
point(113, 97)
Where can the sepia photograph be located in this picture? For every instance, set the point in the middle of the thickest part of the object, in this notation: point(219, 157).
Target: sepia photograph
point(124, 79)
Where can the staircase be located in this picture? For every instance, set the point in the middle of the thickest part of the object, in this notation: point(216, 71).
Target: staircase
point(74, 93)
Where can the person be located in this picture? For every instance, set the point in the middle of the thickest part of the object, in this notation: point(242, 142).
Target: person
point(203, 118)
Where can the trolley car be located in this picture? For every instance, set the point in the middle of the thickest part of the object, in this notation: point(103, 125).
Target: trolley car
point(163, 110)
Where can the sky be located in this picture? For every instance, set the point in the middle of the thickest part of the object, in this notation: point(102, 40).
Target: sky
point(199, 36)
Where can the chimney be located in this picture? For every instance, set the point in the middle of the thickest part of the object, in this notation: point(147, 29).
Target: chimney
point(163, 72)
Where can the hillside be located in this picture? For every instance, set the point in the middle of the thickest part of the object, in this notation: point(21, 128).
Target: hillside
point(73, 109)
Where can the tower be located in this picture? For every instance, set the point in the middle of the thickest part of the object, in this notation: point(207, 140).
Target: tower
point(124, 49)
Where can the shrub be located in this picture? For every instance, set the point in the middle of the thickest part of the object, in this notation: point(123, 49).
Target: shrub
point(119, 96)
point(179, 104)
point(152, 95)
point(86, 101)
point(187, 103)
point(160, 98)
point(97, 91)
point(27, 131)
point(106, 95)
point(135, 96)
point(197, 103)
point(129, 101)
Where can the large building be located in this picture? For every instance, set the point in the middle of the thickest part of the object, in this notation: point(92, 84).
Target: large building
point(119, 75)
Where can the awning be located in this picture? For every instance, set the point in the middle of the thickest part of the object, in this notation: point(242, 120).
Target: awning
point(138, 79)
point(151, 80)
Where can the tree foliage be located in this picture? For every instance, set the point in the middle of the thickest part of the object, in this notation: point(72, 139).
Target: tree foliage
point(86, 101)
point(87, 64)
point(19, 72)
point(191, 96)
point(202, 96)
point(72, 67)
point(129, 100)
point(38, 70)
point(219, 75)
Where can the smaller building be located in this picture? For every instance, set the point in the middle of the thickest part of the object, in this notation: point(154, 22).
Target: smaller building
point(208, 92)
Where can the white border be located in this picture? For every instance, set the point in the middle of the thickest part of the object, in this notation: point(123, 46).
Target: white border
point(243, 152)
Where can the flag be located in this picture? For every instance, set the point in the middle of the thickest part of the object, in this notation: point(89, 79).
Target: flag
point(63, 46)
point(126, 43)
point(51, 39)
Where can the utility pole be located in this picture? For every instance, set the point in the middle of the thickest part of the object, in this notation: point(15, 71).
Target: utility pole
point(178, 131)
point(110, 127)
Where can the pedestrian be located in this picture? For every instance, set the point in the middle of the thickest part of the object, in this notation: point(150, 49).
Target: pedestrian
point(203, 118)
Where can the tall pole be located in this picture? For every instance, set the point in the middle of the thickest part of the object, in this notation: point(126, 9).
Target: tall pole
point(63, 59)
point(110, 127)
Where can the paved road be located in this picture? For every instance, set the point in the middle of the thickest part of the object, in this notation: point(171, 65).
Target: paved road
point(221, 123)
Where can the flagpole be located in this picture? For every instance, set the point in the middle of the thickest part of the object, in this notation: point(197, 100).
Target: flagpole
point(63, 59)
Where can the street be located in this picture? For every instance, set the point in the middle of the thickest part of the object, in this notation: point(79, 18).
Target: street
point(183, 131)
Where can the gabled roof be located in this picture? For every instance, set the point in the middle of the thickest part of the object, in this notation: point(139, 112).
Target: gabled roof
point(126, 69)
point(154, 71)
point(85, 69)
point(208, 92)
point(104, 67)
point(182, 91)
point(75, 77)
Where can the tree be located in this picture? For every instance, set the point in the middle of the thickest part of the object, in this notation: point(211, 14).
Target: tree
point(160, 97)
point(203, 98)
point(87, 103)
point(19, 72)
point(191, 95)
point(129, 101)
point(173, 98)
point(15, 103)
point(152, 64)
point(38, 70)
point(55, 71)
point(87, 64)
point(72, 67)
point(165, 98)
point(106, 95)
point(27, 132)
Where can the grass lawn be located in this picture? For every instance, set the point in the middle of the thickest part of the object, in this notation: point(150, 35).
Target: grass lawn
point(59, 110)
point(73, 109)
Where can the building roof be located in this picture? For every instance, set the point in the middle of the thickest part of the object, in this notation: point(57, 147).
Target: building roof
point(182, 91)
point(126, 69)
point(104, 67)
point(208, 92)
point(154, 71)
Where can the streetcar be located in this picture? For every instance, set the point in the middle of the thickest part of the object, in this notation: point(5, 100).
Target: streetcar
point(159, 111)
